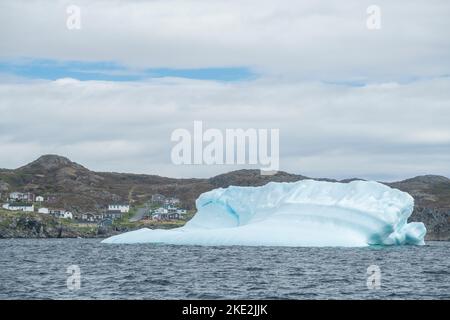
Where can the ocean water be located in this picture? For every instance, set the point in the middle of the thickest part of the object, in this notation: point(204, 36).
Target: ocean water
point(37, 269)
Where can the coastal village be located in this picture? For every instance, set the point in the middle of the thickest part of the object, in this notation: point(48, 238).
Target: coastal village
point(158, 208)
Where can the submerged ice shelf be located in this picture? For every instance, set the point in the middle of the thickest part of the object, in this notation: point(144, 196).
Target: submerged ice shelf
point(303, 213)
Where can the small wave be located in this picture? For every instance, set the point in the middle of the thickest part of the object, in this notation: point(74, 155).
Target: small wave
point(160, 282)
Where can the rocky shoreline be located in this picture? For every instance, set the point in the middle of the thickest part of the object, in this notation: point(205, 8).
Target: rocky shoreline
point(33, 225)
point(39, 226)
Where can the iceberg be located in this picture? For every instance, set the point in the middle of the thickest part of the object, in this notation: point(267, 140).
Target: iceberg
point(303, 213)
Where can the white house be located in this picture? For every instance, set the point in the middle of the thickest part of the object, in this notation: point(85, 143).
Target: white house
point(39, 199)
point(123, 208)
point(171, 208)
point(44, 210)
point(159, 213)
point(161, 210)
point(15, 196)
point(19, 196)
point(89, 217)
point(68, 215)
point(19, 207)
point(172, 201)
point(113, 214)
point(60, 213)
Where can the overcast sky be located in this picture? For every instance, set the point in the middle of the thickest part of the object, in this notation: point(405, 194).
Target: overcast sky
point(348, 101)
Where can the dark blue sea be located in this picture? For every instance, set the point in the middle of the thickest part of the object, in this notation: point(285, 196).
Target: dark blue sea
point(38, 269)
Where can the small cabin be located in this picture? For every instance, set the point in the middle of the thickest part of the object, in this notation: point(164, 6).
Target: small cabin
point(123, 208)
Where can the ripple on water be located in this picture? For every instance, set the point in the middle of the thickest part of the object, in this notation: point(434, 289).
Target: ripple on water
point(36, 269)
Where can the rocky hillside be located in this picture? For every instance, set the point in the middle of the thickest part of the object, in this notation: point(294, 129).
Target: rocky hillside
point(77, 188)
point(432, 203)
point(81, 190)
point(34, 225)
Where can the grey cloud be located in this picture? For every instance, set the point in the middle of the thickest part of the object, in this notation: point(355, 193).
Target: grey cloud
point(379, 131)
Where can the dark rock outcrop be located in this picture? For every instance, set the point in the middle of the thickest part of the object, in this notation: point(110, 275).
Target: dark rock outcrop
point(33, 225)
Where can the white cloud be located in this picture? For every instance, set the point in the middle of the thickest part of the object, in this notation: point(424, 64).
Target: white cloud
point(309, 40)
point(395, 126)
point(385, 131)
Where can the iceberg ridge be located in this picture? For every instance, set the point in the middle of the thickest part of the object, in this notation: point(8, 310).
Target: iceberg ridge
point(303, 213)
